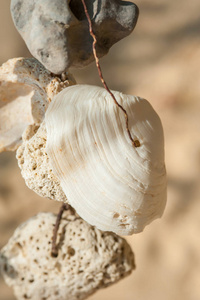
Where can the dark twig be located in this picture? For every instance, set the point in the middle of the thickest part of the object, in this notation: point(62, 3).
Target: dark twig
point(135, 143)
point(54, 249)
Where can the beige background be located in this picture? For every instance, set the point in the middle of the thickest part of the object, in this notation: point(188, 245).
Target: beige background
point(160, 61)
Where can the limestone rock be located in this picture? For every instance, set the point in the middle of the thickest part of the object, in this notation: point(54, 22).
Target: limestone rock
point(57, 34)
point(35, 165)
point(26, 88)
point(88, 259)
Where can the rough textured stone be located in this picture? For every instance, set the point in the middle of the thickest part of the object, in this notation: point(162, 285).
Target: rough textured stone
point(35, 165)
point(57, 34)
point(26, 88)
point(88, 259)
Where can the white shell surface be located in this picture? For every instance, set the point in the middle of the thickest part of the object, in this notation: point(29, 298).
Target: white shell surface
point(110, 183)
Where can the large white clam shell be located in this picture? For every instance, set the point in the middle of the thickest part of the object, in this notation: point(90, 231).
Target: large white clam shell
point(110, 183)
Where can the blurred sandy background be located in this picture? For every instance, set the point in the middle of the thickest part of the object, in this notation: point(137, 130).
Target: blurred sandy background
point(160, 61)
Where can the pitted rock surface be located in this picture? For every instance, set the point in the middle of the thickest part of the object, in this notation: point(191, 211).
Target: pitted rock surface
point(88, 259)
point(57, 33)
point(35, 165)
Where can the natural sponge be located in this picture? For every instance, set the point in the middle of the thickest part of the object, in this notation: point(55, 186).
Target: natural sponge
point(88, 259)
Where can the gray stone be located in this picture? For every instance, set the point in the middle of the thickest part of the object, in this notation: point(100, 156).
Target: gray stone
point(57, 34)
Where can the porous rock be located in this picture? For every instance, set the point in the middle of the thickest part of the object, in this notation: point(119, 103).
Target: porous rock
point(35, 165)
point(88, 259)
point(26, 88)
point(57, 34)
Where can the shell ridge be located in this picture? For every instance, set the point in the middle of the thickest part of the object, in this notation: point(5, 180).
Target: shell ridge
point(111, 185)
point(66, 190)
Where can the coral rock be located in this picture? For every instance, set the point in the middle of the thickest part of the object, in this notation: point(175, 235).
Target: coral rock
point(57, 34)
point(26, 88)
point(88, 259)
point(35, 165)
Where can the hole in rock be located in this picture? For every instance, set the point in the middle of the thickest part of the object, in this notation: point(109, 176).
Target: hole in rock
point(45, 273)
point(58, 266)
point(19, 245)
point(106, 275)
point(71, 251)
point(34, 166)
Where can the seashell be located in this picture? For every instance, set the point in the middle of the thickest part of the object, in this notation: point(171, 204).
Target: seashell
point(88, 259)
point(110, 183)
point(57, 34)
point(26, 88)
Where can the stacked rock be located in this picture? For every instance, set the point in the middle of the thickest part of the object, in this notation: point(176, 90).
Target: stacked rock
point(57, 34)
